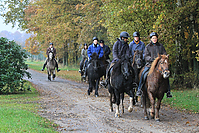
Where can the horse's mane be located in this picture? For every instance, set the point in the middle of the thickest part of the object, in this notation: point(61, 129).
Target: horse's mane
point(153, 65)
point(155, 62)
point(94, 56)
point(134, 56)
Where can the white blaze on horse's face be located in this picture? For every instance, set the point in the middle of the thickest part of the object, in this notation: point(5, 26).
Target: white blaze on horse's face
point(165, 67)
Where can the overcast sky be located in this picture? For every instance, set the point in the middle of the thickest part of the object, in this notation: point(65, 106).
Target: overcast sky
point(7, 27)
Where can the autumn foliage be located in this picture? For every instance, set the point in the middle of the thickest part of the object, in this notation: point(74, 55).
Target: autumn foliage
point(71, 23)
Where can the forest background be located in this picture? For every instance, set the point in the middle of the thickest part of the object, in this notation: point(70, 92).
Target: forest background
point(71, 23)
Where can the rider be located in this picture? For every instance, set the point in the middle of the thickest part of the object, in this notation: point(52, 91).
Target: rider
point(151, 52)
point(136, 44)
point(51, 49)
point(94, 48)
point(106, 50)
point(120, 48)
point(84, 57)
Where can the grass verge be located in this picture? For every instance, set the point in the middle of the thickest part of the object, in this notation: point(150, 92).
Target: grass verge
point(18, 113)
point(184, 100)
point(70, 73)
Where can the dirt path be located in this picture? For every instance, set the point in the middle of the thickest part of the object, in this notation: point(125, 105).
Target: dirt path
point(67, 104)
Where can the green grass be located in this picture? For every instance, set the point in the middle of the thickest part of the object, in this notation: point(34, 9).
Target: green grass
point(69, 72)
point(184, 100)
point(18, 113)
point(37, 65)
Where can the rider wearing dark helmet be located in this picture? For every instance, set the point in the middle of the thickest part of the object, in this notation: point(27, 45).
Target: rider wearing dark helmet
point(120, 48)
point(106, 50)
point(84, 57)
point(51, 49)
point(151, 52)
point(136, 44)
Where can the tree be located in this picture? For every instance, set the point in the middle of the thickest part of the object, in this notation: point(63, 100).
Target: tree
point(32, 45)
point(13, 67)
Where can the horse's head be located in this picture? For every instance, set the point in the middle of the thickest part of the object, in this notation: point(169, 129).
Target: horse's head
point(163, 66)
point(138, 59)
point(95, 61)
point(50, 55)
point(125, 67)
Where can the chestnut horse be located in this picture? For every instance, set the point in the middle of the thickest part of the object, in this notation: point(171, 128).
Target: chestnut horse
point(156, 85)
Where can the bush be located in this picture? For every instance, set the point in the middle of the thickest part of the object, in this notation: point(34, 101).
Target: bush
point(185, 80)
point(12, 67)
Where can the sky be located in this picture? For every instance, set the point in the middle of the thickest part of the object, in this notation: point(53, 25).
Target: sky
point(8, 27)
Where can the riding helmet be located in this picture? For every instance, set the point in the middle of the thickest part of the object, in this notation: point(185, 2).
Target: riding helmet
point(85, 44)
point(136, 34)
point(124, 34)
point(153, 34)
point(51, 43)
point(95, 38)
point(101, 41)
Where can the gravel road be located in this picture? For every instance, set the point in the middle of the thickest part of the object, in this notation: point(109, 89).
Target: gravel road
point(67, 104)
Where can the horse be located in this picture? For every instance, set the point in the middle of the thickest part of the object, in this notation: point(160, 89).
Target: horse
point(121, 81)
point(156, 85)
point(50, 66)
point(94, 71)
point(137, 64)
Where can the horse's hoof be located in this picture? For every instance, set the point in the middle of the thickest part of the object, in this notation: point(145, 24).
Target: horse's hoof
point(53, 78)
point(157, 120)
point(88, 92)
point(152, 117)
point(141, 106)
point(146, 118)
point(111, 110)
point(130, 109)
point(96, 95)
point(117, 115)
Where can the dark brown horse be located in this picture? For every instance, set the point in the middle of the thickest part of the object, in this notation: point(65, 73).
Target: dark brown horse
point(137, 65)
point(156, 85)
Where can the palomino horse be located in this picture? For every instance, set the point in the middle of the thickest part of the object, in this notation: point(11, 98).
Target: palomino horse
point(137, 64)
point(156, 85)
point(94, 71)
point(50, 66)
point(121, 81)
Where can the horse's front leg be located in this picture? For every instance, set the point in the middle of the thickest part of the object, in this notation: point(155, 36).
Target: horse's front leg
point(117, 113)
point(53, 74)
point(111, 93)
point(144, 105)
point(49, 75)
point(152, 101)
point(157, 109)
point(90, 87)
point(122, 98)
point(96, 87)
point(132, 100)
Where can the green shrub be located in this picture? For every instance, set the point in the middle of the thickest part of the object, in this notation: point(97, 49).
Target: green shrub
point(185, 80)
point(13, 67)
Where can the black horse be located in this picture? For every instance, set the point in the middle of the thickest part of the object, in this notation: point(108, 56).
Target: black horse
point(137, 64)
point(95, 70)
point(121, 81)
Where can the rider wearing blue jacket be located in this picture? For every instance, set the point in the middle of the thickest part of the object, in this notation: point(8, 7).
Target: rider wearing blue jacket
point(95, 48)
point(136, 44)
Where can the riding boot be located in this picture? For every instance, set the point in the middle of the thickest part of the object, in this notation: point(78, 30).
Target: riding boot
point(43, 67)
point(56, 65)
point(168, 92)
point(142, 81)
